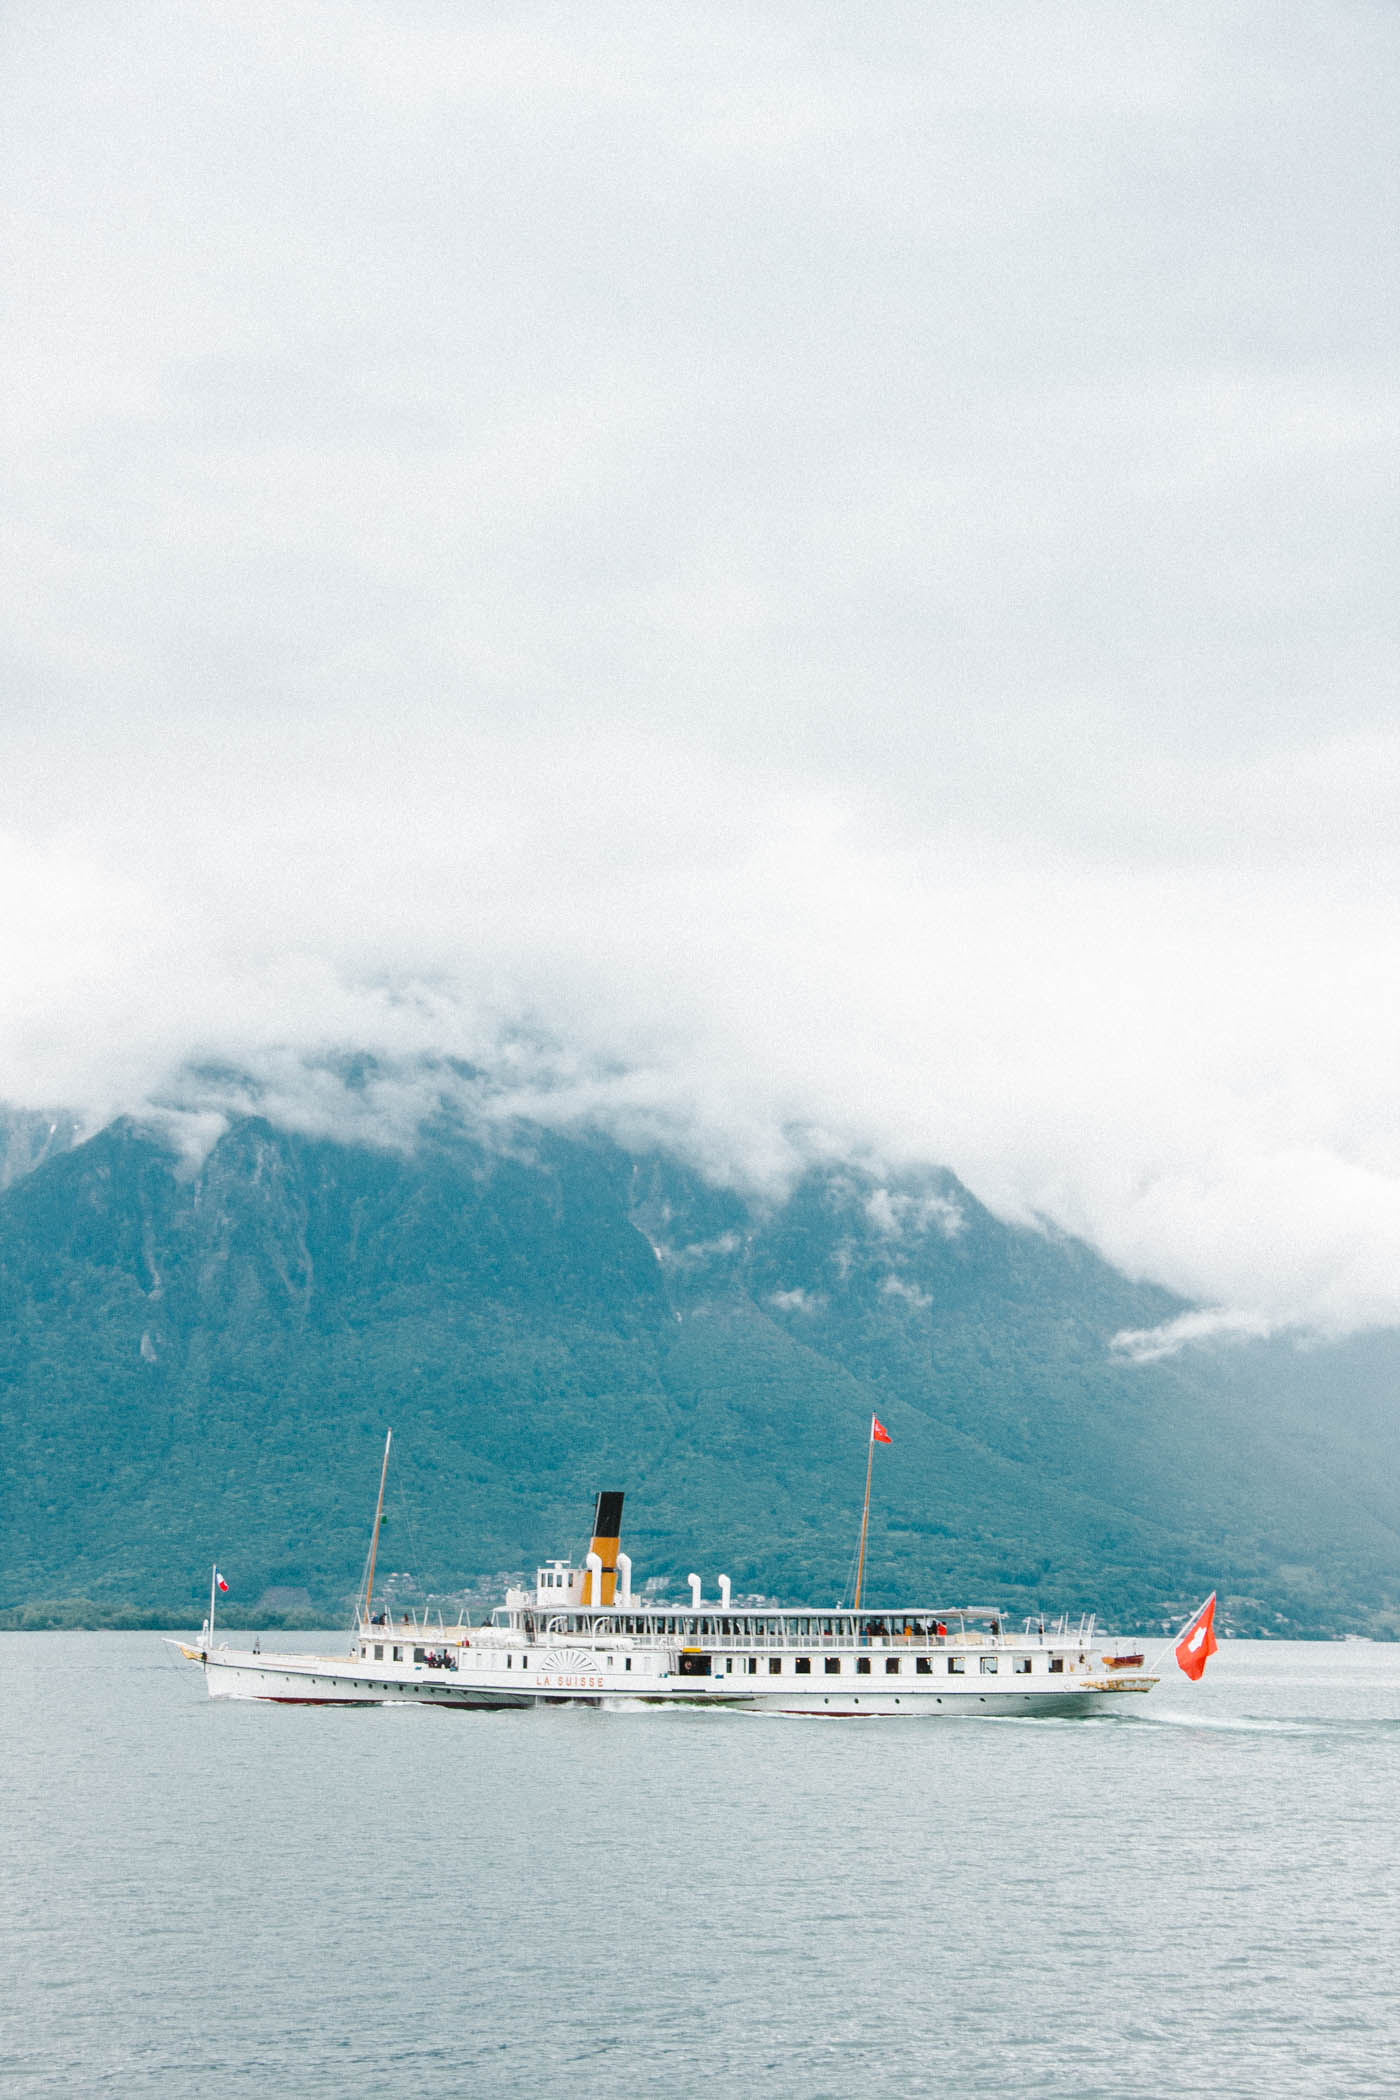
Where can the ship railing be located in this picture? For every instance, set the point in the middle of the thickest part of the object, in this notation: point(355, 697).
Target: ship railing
point(406, 1625)
point(610, 1628)
point(815, 1641)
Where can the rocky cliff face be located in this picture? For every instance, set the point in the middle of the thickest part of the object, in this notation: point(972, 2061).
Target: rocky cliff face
point(27, 1139)
point(201, 1359)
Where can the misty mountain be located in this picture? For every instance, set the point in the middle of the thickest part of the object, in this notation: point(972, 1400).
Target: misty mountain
point(201, 1360)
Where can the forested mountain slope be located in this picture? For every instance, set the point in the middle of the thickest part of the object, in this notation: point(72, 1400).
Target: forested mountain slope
point(201, 1361)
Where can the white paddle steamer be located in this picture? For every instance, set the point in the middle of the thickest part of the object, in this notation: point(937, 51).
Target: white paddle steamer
point(582, 1638)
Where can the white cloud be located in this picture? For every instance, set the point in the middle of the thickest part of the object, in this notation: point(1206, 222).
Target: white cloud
point(785, 586)
point(897, 1212)
point(1148, 1345)
point(695, 1251)
point(797, 1300)
point(908, 1293)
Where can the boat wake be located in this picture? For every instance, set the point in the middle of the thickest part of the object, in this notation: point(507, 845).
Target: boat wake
point(1225, 1724)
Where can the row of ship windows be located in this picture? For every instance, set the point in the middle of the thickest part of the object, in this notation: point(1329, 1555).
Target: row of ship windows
point(698, 1665)
point(682, 1626)
point(832, 1665)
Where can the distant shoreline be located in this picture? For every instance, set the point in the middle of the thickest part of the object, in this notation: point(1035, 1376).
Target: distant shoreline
point(81, 1616)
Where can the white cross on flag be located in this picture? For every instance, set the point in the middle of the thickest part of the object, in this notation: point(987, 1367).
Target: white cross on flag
point(1198, 1641)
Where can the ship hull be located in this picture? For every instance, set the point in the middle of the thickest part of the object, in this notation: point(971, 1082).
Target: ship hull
point(324, 1681)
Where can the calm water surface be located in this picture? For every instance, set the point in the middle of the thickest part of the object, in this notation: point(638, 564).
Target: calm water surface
point(205, 1899)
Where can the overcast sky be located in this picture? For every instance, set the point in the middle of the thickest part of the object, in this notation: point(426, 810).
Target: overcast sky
point(837, 563)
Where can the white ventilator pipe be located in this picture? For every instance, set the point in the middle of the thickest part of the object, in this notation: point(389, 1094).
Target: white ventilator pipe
point(724, 1591)
point(624, 1569)
point(593, 1563)
point(694, 1581)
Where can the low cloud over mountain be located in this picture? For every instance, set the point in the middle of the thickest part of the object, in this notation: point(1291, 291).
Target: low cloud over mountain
point(794, 589)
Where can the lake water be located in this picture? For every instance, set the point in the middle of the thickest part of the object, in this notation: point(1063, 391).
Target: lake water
point(207, 1899)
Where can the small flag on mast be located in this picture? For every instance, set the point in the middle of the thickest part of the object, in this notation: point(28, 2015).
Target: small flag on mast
point(878, 1432)
point(1198, 1640)
point(220, 1580)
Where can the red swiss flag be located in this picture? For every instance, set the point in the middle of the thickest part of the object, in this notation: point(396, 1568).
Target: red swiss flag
point(878, 1432)
point(1199, 1640)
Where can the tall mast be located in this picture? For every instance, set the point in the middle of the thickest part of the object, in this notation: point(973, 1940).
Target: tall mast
point(864, 1516)
point(378, 1516)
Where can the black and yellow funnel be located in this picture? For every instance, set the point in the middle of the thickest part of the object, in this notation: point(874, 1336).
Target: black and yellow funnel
point(607, 1535)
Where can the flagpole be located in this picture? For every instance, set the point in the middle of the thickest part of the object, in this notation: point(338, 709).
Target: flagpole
point(213, 1579)
point(378, 1516)
point(864, 1516)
